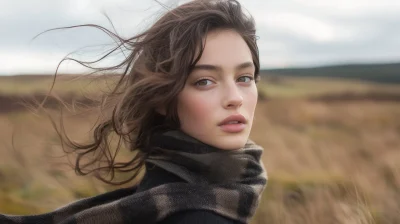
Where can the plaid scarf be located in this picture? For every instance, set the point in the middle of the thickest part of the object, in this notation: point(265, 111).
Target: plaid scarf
point(228, 182)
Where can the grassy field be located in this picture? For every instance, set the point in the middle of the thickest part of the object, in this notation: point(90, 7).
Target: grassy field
point(328, 161)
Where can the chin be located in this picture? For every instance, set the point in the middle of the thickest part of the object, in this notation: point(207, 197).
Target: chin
point(222, 141)
point(231, 142)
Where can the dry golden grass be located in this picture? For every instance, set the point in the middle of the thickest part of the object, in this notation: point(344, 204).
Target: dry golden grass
point(295, 87)
point(64, 84)
point(330, 163)
point(327, 162)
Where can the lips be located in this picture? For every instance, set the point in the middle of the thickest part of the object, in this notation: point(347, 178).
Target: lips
point(233, 124)
point(233, 119)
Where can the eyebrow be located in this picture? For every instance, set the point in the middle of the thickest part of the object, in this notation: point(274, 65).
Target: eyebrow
point(218, 68)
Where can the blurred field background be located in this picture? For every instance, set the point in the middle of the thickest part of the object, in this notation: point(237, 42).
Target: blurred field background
point(332, 147)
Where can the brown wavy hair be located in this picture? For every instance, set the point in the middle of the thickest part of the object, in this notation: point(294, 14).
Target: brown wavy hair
point(154, 73)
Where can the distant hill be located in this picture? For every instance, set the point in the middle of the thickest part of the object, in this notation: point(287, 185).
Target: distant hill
point(382, 73)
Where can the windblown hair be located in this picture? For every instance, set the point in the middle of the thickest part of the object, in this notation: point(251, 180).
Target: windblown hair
point(153, 74)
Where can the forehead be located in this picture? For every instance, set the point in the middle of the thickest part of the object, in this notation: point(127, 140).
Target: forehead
point(225, 48)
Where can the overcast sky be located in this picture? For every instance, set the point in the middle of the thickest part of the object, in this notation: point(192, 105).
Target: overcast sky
point(291, 32)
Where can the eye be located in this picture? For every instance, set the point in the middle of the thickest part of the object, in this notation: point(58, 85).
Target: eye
point(245, 78)
point(203, 82)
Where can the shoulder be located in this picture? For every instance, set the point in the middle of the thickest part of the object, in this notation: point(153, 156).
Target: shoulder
point(197, 217)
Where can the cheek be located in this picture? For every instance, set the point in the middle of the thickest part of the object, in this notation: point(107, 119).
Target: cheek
point(251, 100)
point(194, 109)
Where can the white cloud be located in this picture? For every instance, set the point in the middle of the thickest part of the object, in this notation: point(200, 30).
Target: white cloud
point(325, 31)
point(352, 7)
point(35, 63)
point(302, 25)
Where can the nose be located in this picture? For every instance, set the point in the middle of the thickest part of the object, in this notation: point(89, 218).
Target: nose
point(233, 97)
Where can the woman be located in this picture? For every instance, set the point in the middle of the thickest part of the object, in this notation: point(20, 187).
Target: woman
point(185, 107)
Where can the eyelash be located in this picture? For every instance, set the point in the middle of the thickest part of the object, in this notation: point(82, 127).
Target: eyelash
point(251, 78)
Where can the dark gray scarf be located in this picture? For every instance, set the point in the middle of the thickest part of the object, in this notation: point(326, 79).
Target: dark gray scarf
point(229, 183)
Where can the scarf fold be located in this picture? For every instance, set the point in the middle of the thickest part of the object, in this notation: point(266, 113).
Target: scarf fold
point(227, 182)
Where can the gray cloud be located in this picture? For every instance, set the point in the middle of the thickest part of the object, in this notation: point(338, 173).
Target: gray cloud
point(291, 32)
point(362, 36)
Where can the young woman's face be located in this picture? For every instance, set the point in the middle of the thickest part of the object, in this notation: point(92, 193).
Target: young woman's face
point(218, 101)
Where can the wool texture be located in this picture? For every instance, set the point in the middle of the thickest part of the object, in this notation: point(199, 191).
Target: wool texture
point(227, 182)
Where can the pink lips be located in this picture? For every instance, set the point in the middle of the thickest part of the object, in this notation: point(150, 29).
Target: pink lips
point(233, 124)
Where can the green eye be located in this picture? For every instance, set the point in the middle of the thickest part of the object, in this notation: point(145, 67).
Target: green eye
point(203, 82)
point(245, 79)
